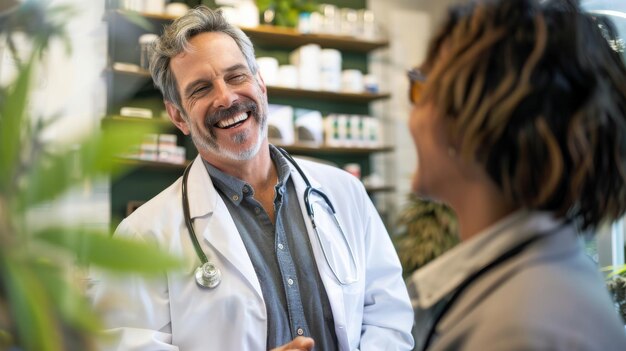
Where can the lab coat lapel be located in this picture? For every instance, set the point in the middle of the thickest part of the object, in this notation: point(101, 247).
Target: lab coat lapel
point(213, 222)
point(333, 289)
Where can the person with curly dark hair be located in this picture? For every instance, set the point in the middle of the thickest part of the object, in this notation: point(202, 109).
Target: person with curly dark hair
point(519, 120)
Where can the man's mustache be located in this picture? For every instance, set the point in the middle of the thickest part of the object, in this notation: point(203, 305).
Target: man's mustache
point(233, 110)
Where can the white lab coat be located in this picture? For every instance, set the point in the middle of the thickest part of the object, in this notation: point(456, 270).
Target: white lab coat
point(171, 312)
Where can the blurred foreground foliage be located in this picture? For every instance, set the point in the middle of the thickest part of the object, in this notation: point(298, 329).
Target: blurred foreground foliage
point(43, 306)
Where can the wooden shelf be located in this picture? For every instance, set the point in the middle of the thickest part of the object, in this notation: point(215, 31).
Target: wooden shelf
point(172, 166)
point(380, 189)
point(151, 164)
point(333, 150)
point(129, 69)
point(266, 35)
point(274, 91)
point(290, 38)
point(159, 122)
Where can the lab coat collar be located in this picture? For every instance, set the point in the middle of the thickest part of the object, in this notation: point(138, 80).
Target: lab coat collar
point(333, 289)
point(298, 180)
point(213, 222)
point(201, 201)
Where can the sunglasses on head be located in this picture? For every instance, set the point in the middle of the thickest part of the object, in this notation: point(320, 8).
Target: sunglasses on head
point(417, 79)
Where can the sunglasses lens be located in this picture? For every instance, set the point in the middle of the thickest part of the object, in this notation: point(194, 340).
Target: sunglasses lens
point(416, 91)
point(416, 80)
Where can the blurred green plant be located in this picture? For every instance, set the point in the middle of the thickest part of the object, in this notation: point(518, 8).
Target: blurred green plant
point(284, 13)
point(42, 305)
point(427, 229)
point(616, 284)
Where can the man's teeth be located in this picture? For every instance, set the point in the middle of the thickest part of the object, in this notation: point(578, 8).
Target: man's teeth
point(232, 121)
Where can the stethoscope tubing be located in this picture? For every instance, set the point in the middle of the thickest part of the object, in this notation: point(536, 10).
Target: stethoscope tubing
point(206, 265)
point(186, 213)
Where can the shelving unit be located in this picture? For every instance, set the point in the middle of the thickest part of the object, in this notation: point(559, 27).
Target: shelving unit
point(297, 148)
point(290, 38)
point(154, 165)
point(130, 85)
point(276, 91)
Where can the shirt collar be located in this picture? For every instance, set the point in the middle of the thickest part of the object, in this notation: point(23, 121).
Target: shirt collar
point(282, 166)
point(236, 189)
point(440, 277)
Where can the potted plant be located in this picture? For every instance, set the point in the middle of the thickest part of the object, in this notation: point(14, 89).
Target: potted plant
point(427, 229)
point(284, 13)
point(616, 284)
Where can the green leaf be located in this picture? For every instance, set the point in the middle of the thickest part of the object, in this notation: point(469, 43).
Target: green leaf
point(112, 253)
point(264, 5)
point(619, 270)
point(48, 178)
point(72, 306)
point(53, 174)
point(31, 308)
point(98, 155)
point(138, 20)
point(12, 112)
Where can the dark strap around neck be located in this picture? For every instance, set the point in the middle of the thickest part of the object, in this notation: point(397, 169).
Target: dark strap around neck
point(513, 252)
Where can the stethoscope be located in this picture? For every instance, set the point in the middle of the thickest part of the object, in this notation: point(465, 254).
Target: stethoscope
point(515, 251)
point(209, 276)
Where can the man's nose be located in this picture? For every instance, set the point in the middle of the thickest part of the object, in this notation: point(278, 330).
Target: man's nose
point(224, 96)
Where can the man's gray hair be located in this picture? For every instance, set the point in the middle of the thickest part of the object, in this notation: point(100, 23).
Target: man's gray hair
point(175, 40)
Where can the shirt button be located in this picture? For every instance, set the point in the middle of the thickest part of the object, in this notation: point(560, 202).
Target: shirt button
point(290, 281)
point(245, 190)
point(280, 246)
point(235, 197)
point(257, 210)
point(300, 331)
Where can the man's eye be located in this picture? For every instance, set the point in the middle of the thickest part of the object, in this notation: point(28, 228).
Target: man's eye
point(237, 78)
point(199, 90)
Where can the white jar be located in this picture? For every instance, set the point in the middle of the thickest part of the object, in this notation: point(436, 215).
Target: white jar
point(330, 70)
point(288, 76)
point(268, 66)
point(352, 81)
point(145, 44)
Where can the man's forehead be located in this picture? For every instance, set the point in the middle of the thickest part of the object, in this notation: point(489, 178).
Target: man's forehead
point(216, 51)
point(210, 42)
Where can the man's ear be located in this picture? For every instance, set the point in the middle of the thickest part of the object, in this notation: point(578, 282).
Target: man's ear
point(259, 79)
point(176, 117)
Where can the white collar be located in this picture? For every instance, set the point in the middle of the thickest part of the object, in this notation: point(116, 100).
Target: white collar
point(443, 275)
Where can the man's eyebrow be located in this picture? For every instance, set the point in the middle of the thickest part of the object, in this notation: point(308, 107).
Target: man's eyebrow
point(236, 67)
point(191, 86)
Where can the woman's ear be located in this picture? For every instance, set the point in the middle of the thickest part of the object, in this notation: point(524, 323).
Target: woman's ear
point(176, 117)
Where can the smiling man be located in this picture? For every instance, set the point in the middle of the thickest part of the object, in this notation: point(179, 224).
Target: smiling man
point(261, 271)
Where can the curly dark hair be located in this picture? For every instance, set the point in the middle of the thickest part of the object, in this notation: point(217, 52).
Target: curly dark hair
point(533, 91)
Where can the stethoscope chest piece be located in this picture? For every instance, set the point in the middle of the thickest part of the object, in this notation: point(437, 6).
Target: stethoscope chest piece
point(208, 276)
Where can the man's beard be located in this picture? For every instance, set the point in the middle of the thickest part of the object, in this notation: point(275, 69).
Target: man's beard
point(207, 139)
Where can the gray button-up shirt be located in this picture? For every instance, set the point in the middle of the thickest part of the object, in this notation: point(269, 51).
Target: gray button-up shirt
point(295, 298)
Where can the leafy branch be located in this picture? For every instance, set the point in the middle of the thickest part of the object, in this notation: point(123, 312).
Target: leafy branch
point(42, 305)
